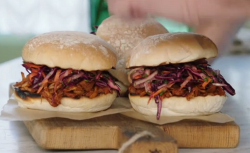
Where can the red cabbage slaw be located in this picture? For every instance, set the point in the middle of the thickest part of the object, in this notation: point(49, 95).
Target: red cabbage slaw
point(94, 32)
point(156, 80)
point(38, 74)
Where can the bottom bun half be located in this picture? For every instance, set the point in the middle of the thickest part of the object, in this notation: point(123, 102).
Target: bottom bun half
point(179, 106)
point(83, 104)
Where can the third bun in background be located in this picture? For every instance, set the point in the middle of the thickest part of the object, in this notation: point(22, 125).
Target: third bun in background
point(125, 35)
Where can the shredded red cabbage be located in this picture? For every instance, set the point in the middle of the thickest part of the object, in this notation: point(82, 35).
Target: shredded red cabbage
point(94, 32)
point(186, 75)
point(72, 77)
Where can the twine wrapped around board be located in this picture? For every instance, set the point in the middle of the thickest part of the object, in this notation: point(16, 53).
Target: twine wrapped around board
point(134, 139)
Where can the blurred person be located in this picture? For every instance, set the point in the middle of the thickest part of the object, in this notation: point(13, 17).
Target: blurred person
point(219, 20)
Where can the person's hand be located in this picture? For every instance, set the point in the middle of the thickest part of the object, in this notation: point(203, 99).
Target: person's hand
point(191, 12)
point(217, 19)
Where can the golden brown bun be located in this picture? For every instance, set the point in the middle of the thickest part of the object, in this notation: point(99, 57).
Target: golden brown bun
point(83, 104)
point(171, 48)
point(125, 35)
point(68, 49)
point(179, 106)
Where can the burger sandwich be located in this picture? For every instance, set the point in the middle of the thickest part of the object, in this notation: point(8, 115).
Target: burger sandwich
point(169, 76)
point(67, 71)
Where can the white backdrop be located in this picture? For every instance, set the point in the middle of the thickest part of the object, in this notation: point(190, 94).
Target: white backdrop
point(39, 16)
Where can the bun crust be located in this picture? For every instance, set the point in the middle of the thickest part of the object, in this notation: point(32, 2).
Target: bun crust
point(125, 35)
point(68, 49)
point(179, 106)
point(83, 104)
point(171, 48)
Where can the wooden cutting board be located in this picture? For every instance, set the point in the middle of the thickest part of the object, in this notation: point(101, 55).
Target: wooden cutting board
point(107, 132)
point(201, 134)
point(110, 132)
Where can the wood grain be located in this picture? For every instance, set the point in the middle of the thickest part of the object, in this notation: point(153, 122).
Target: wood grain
point(108, 132)
point(201, 134)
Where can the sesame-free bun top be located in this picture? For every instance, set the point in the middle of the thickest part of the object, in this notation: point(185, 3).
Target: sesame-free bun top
point(68, 49)
point(171, 48)
point(125, 35)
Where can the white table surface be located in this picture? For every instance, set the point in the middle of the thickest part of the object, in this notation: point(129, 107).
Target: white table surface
point(15, 138)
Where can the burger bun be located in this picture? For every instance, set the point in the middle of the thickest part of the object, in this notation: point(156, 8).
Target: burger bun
point(83, 104)
point(179, 106)
point(171, 48)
